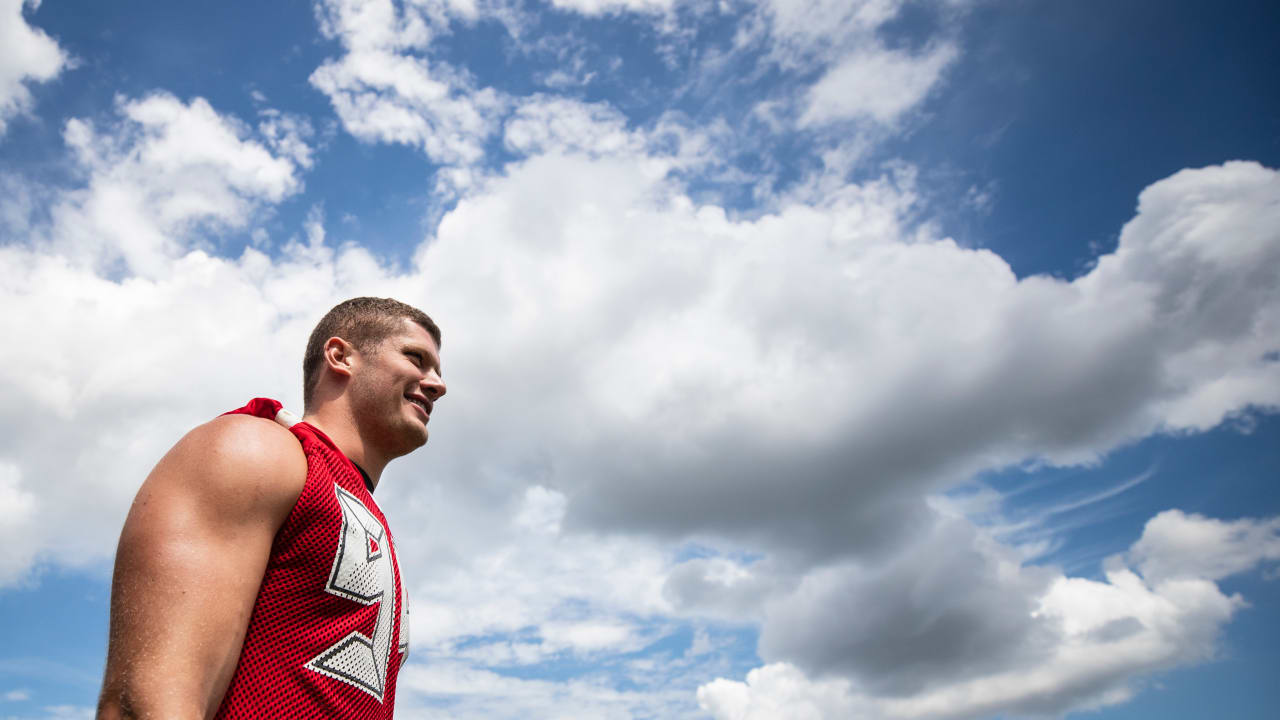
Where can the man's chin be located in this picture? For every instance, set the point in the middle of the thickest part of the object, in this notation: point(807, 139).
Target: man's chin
point(416, 436)
point(405, 437)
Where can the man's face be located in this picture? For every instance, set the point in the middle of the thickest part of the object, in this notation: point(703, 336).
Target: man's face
point(394, 389)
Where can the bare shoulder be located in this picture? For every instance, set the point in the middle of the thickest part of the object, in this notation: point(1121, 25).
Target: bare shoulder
point(246, 439)
point(236, 463)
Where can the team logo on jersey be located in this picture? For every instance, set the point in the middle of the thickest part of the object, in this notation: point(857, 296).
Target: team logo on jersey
point(363, 574)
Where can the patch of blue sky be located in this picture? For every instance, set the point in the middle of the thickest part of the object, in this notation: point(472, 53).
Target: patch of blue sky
point(58, 660)
point(136, 49)
point(917, 24)
point(180, 53)
point(694, 550)
point(720, 650)
point(1239, 682)
point(633, 66)
point(1085, 514)
point(385, 207)
point(1066, 111)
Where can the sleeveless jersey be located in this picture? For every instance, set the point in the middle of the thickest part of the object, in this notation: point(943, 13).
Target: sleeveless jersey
point(329, 629)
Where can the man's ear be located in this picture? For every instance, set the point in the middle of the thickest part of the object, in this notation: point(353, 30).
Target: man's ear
point(339, 355)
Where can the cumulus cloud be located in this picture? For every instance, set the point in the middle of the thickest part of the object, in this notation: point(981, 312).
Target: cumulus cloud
point(797, 383)
point(30, 56)
point(848, 68)
point(1081, 365)
point(1040, 643)
point(384, 89)
point(722, 587)
point(778, 692)
point(800, 392)
point(162, 173)
point(544, 124)
point(950, 604)
point(19, 519)
point(532, 576)
point(118, 265)
point(1177, 545)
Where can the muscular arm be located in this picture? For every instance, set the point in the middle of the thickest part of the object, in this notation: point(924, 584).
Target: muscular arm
point(189, 565)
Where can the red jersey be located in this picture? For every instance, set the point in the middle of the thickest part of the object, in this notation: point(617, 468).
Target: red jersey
point(330, 628)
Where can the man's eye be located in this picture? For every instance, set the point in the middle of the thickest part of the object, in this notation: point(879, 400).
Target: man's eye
point(416, 358)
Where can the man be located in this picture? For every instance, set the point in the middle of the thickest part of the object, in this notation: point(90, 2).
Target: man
point(255, 576)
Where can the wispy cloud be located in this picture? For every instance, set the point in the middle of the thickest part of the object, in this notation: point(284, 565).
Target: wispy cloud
point(30, 57)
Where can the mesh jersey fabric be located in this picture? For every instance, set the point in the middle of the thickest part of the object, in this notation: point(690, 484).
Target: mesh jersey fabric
point(329, 628)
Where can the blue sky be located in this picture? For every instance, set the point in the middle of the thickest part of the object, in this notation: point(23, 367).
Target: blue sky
point(807, 358)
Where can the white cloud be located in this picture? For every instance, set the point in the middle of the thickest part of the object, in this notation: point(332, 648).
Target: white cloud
point(542, 511)
point(740, 339)
point(865, 74)
point(542, 124)
point(391, 86)
point(114, 269)
point(16, 522)
point(165, 172)
point(1177, 545)
point(30, 56)
point(778, 692)
point(875, 83)
point(948, 604)
point(582, 593)
point(653, 313)
point(589, 636)
point(1074, 644)
point(805, 26)
point(19, 198)
point(383, 90)
point(287, 135)
point(17, 695)
point(471, 693)
point(204, 333)
point(386, 88)
point(721, 587)
point(739, 354)
point(382, 96)
point(600, 7)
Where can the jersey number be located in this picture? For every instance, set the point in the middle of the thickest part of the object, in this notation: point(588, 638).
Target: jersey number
point(362, 572)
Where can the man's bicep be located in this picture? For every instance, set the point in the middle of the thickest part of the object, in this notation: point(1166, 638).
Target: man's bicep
point(181, 599)
point(189, 565)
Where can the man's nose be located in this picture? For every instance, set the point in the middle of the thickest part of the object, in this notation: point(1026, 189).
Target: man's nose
point(433, 386)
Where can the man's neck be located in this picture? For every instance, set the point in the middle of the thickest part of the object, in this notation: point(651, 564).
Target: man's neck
point(337, 423)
